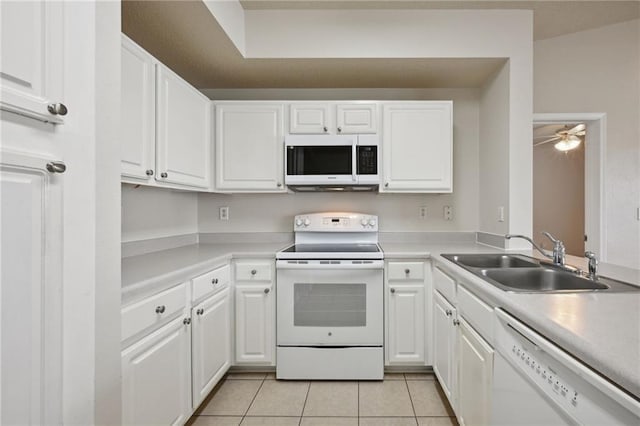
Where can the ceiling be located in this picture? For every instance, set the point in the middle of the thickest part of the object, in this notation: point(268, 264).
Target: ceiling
point(188, 39)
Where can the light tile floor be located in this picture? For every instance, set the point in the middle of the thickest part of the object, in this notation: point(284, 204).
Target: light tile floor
point(259, 399)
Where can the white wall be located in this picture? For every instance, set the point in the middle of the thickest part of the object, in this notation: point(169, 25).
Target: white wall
point(599, 71)
point(398, 212)
point(149, 212)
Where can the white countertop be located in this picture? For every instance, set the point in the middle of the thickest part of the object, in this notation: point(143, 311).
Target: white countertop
point(601, 329)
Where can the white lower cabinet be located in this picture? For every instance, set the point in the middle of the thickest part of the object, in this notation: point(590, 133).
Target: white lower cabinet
point(255, 331)
point(210, 343)
point(475, 369)
point(156, 377)
point(444, 345)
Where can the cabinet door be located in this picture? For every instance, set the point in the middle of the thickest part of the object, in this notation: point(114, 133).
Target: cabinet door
point(405, 323)
point(255, 318)
point(357, 118)
point(444, 338)
point(183, 132)
point(31, 292)
point(32, 52)
point(475, 372)
point(249, 147)
point(211, 343)
point(156, 377)
point(417, 147)
point(138, 111)
point(309, 118)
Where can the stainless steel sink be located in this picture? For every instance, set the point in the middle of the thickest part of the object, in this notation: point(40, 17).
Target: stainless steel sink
point(491, 260)
point(540, 280)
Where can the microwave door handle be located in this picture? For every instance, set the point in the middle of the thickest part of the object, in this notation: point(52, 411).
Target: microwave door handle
point(354, 161)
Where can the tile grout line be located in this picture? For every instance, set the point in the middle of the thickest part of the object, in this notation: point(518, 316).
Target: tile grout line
point(253, 399)
point(406, 383)
point(358, 412)
point(305, 403)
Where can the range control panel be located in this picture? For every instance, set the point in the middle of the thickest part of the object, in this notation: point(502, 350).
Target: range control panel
point(335, 222)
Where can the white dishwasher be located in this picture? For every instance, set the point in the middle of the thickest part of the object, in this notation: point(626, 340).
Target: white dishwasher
point(537, 383)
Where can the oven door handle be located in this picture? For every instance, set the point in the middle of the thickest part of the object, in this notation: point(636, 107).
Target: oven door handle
point(343, 265)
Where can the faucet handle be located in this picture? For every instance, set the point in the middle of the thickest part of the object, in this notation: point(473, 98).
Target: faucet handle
point(593, 263)
point(551, 237)
point(590, 255)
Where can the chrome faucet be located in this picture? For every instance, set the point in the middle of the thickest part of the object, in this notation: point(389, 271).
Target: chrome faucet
point(558, 247)
point(593, 264)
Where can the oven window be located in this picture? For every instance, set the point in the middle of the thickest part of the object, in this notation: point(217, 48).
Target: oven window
point(319, 160)
point(330, 305)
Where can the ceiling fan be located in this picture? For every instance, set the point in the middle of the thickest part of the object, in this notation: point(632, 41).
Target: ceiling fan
point(566, 139)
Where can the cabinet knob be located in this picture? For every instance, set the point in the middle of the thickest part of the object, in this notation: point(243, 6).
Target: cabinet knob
point(200, 311)
point(164, 175)
point(57, 109)
point(214, 281)
point(407, 271)
point(386, 185)
point(448, 312)
point(149, 172)
point(456, 322)
point(325, 129)
point(393, 290)
point(56, 167)
point(253, 272)
point(279, 184)
point(160, 309)
point(186, 321)
point(339, 129)
point(267, 290)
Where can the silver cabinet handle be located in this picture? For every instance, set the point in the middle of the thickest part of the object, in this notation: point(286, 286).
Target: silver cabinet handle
point(160, 309)
point(57, 109)
point(200, 311)
point(164, 175)
point(186, 321)
point(456, 322)
point(56, 167)
point(266, 291)
point(448, 312)
point(253, 272)
point(393, 290)
point(325, 129)
point(339, 129)
point(149, 172)
point(407, 271)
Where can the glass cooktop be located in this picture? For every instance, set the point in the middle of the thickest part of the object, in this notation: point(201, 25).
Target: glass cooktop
point(333, 248)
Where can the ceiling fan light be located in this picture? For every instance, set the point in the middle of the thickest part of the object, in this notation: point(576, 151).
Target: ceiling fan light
point(568, 143)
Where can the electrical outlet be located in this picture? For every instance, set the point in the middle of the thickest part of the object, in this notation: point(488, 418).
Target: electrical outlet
point(448, 213)
point(224, 213)
point(423, 212)
point(501, 214)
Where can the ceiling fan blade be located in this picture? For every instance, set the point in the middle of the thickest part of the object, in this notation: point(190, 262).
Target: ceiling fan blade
point(582, 133)
point(546, 136)
point(547, 141)
point(576, 129)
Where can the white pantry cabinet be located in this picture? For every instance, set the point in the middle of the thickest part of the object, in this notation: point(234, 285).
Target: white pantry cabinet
point(405, 309)
point(31, 73)
point(249, 147)
point(255, 313)
point(417, 147)
point(333, 118)
point(444, 346)
point(166, 125)
point(156, 377)
point(31, 302)
point(210, 343)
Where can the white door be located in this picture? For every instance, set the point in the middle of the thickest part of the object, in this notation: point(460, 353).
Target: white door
point(357, 118)
point(210, 343)
point(32, 53)
point(475, 372)
point(309, 118)
point(417, 147)
point(138, 111)
point(255, 338)
point(156, 377)
point(405, 323)
point(183, 132)
point(249, 147)
point(31, 292)
point(444, 337)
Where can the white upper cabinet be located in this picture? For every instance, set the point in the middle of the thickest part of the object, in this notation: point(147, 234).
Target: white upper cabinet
point(138, 112)
point(183, 131)
point(249, 147)
point(333, 118)
point(31, 70)
point(417, 147)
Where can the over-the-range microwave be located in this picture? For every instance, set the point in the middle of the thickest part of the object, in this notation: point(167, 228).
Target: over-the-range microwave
point(332, 162)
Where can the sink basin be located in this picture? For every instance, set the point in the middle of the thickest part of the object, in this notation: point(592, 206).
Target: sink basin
point(540, 280)
point(486, 261)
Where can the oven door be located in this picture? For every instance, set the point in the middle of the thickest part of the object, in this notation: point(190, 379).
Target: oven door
point(330, 303)
point(320, 160)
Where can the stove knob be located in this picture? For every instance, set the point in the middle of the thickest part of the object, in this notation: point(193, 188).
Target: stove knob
point(364, 222)
point(299, 222)
point(372, 222)
point(307, 222)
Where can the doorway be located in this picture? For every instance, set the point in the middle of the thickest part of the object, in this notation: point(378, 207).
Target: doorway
point(567, 185)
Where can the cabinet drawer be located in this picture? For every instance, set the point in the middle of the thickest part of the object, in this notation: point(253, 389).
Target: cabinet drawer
point(405, 270)
point(211, 282)
point(476, 312)
point(253, 271)
point(444, 284)
point(153, 310)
